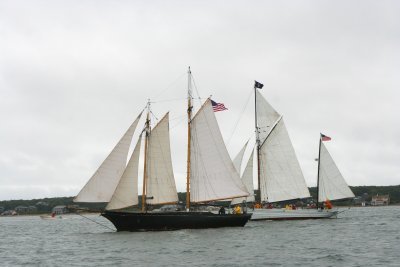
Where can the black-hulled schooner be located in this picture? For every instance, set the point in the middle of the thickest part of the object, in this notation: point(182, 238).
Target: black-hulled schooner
point(211, 176)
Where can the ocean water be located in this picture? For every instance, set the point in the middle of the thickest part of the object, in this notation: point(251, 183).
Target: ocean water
point(359, 237)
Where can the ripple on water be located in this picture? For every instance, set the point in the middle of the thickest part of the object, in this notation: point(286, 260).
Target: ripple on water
point(370, 232)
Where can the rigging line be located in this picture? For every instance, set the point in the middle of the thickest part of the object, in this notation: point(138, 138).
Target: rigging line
point(177, 124)
point(169, 86)
point(95, 222)
point(241, 114)
point(151, 112)
point(169, 100)
point(177, 118)
point(197, 91)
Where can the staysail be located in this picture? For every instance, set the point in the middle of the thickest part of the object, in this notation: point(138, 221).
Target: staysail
point(102, 184)
point(281, 177)
point(237, 161)
point(126, 193)
point(331, 182)
point(247, 179)
point(160, 187)
point(213, 176)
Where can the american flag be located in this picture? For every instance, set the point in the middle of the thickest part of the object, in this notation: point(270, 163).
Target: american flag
point(218, 106)
point(325, 138)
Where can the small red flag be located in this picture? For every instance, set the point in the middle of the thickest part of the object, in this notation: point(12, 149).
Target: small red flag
point(325, 138)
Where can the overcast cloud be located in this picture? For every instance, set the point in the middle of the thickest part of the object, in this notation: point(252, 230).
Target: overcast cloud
point(75, 74)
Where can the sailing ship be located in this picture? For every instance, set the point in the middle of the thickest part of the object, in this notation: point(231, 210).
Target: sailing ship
point(211, 176)
point(331, 183)
point(279, 175)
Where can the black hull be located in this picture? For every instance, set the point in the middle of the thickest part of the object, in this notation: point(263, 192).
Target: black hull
point(162, 221)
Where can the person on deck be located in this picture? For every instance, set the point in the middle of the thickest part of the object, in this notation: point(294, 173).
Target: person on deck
point(328, 205)
point(237, 210)
point(221, 210)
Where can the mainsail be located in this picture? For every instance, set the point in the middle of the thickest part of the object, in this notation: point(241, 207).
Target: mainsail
point(281, 177)
point(247, 179)
point(266, 116)
point(102, 184)
point(331, 182)
point(160, 187)
point(213, 176)
point(126, 193)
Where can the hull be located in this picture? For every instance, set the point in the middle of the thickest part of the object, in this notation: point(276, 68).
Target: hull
point(162, 221)
point(284, 214)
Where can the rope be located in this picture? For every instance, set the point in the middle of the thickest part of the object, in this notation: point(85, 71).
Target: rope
point(168, 87)
point(197, 91)
point(240, 117)
point(95, 222)
point(169, 100)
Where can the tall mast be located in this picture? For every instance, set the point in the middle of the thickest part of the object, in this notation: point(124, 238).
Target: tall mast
point(189, 112)
point(147, 133)
point(319, 158)
point(258, 196)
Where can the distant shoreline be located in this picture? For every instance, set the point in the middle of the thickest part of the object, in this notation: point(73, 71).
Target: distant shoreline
point(42, 206)
point(98, 213)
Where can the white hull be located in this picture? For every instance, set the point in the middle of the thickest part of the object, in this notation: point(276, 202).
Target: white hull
point(285, 214)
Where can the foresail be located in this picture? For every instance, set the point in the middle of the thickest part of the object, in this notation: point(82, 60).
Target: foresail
point(247, 179)
point(160, 181)
point(102, 184)
point(126, 193)
point(281, 177)
point(331, 182)
point(237, 161)
point(212, 175)
point(266, 116)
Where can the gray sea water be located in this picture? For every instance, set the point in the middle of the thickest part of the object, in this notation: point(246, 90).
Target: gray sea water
point(359, 237)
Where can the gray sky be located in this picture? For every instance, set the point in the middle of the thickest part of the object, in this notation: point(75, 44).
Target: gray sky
point(75, 74)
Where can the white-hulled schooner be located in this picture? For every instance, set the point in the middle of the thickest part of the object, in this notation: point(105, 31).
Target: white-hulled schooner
point(279, 175)
point(211, 176)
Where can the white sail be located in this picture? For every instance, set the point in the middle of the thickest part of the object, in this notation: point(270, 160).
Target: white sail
point(266, 116)
point(247, 179)
point(126, 193)
point(160, 187)
point(212, 174)
point(331, 182)
point(281, 177)
point(237, 161)
point(102, 184)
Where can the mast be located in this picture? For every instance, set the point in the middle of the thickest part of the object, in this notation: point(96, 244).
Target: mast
point(258, 196)
point(319, 158)
point(147, 133)
point(189, 112)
